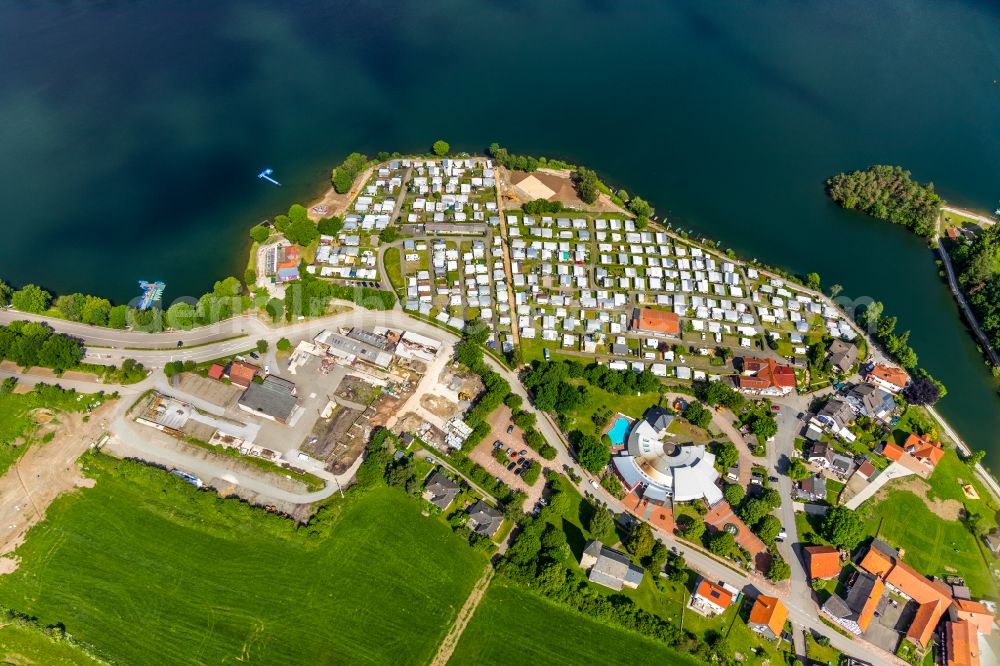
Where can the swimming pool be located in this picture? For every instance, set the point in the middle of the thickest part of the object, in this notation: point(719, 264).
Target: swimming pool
point(619, 430)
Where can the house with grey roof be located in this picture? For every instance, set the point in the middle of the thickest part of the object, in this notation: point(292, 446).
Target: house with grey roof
point(274, 399)
point(484, 519)
point(609, 567)
point(812, 489)
point(440, 490)
point(843, 355)
point(871, 401)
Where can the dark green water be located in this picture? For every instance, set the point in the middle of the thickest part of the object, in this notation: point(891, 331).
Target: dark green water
point(131, 132)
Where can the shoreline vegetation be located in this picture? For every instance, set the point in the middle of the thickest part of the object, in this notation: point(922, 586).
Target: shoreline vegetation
point(884, 192)
point(888, 193)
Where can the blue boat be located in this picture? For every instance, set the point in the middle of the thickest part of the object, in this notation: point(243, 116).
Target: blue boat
point(152, 292)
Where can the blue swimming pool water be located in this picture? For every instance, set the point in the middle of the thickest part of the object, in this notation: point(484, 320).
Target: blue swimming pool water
point(619, 430)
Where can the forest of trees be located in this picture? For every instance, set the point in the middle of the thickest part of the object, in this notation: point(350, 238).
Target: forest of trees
point(31, 344)
point(978, 267)
point(888, 193)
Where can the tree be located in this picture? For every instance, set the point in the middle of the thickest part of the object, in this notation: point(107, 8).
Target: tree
point(602, 525)
point(813, 281)
point(71, 306)
point(888, 193)
point(835, 290)
point(657, 558)
point(343, 176)
point(514, 401)
point(640, 540)
point(5, 294)
point(768, 529)
point(765, 427)
point(797, 470)
point(283, 345)
point(60, 352)
point(560, 502)
point(31, 298)
point(330, 226)
point(640, 208)
point(843, 527)
point(697, 414)
point(922, 391)
point(734, 494)
point(441, 148)
point(692, 528)
point(260, 234)
point(727, 456)
point(118, 317)
point(753, 510)
point(779, 569)
point(524, 420)
point(722, 543)
point(976, 458)
point(587, 184)
point(95, 311)
point(593, 453)
point(262, 346)
point(871, 315)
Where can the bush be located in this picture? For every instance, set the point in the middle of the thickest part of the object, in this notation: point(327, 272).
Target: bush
point(260, 234)
point(441, 148)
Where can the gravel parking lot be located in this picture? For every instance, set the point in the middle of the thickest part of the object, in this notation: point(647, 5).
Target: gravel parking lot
point(483, 455)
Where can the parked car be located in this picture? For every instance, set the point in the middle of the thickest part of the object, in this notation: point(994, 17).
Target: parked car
point(510, 429)
point(775, 408)
point(498, 444)
point(254, 355)
point(509, 451)
point(772, 479)
point(430, 459)
point(510, 467)
point(595, 484)
point(522, 452)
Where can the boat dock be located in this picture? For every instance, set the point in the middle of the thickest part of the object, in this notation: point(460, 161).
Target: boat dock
point(152, 292)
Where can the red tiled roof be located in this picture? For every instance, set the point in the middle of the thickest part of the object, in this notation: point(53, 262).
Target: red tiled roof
point(975, 613)
point(658, 321)
point(895, 376)
point(215, 372)
point(824, 561)
point(242, 374)
point(761, 373)
point(719, 596)
point(924, 449)
point(933, 597)
point(961, 644)
point(871, 604)
point(769, 611)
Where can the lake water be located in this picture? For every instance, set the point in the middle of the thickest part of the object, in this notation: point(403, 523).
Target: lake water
point(131, 132)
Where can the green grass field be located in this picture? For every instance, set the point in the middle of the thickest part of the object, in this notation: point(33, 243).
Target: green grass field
point(393, 268)
point(934, 546)
point(150, 571)
point(30, 645)
point(598, 399)
point(513, 626)
point(18, 425)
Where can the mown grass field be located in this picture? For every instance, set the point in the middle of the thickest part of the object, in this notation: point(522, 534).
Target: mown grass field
point(29, 645)
point(150, 571)
point(514, 626)
point(934, 546)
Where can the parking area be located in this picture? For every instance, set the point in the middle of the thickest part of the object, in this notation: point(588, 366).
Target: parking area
point(514, 441)
point(209, 390)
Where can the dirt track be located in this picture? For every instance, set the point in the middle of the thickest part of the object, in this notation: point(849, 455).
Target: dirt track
point(42, 474)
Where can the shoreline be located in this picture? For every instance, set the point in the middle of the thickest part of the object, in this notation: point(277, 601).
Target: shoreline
point(711, 246)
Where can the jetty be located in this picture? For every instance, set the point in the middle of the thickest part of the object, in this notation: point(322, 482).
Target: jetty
point(266, 175)
point(152, 292)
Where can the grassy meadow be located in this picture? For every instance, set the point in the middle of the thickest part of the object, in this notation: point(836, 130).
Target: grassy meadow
point(149, 570)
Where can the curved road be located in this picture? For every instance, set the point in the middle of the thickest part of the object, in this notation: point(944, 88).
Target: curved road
point(214, 343)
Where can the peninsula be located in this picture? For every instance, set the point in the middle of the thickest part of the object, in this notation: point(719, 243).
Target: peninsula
point(452, 403)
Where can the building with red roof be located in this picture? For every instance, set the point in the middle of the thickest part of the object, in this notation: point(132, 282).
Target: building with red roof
point(822, 561)
point(765, 376)
point(655, 322)
point(216, 371)
point(768, 617)
point(888, 378)
point(710, 599)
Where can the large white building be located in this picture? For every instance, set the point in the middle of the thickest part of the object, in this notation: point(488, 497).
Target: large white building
point(662, 469)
